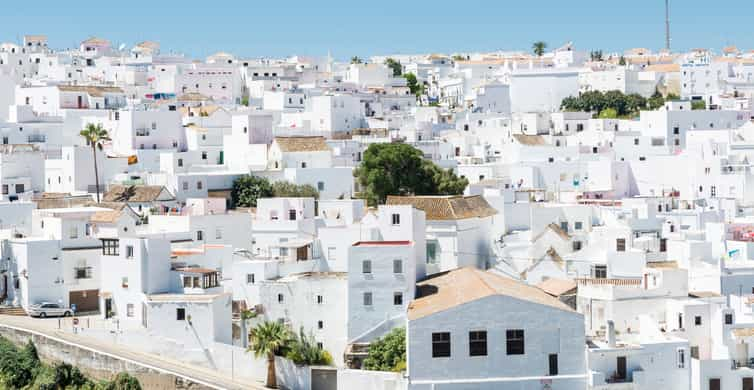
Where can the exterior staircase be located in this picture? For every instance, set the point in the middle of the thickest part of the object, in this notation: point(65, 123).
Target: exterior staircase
point(12, 311)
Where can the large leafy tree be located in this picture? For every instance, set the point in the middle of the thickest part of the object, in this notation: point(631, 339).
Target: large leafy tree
point(95, 136)
point(388, 353)
point(395, 66)
point(599, 102)
point(539, 48)
point(248, 189)
point(267, 340)
point(400, 169)
point(413, 84)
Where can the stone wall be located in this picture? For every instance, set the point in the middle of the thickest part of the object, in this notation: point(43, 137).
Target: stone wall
point(96, 365)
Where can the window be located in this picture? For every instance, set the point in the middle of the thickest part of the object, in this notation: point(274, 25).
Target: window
point(553, 364)
point(620, 244)
point(19, 188)
point(577, 245)
point(73, 232)
point(367, 299)
point(636, 141)
point(514, 341)
point(110, 248)
point(698, 320)
point(694, 352)
point(681, 358)
point(292, 214)
point(199, 235)
point(599, 271)
point(728, 318)
point(129, 251)
point(397, 266)
point(320, 186)
point(303, 164)
point(663, 245)
point(5, 187)
point(366, 267)
point(250, 279)
point(218, 234)
point(431, 253)
point(320, 324)
point(564, 226)
point(396, 218)
point(281, 298)
point(124, 282)
point(320, 299)
point(185, 186)
point(478, 343)
point(204, 155)
point(198, 185)
point(578, 225)
point(130, 310)
point(440, 344)
point(180, 314)
point(398, 298)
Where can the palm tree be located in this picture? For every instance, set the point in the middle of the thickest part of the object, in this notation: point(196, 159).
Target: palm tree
point(267, 339)
point(356, 60)
point(95, 135)
point(539, 48)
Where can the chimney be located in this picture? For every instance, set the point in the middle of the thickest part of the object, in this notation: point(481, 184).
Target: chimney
point(610, 334)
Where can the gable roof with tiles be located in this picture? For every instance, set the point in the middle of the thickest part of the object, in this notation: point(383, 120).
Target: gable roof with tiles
point(140, 194)
point(460, 286)
point(446, 208)
point(302, 144)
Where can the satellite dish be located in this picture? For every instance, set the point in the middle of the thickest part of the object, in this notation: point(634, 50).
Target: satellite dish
point(122, 46)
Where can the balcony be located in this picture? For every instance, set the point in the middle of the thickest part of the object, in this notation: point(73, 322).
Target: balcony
point(142, 132)
point(747, 363)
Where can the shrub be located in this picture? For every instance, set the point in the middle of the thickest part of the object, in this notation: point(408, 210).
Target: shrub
point(303, 350)
point(388, 353)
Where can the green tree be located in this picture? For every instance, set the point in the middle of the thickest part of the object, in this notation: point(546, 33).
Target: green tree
point(622, 61)
point(267, 340)
point(595, 55)
point(95, 135)
point(387, 353)
point(458, 57)
point(655, 101)
point(413, 84)
point(608, 113)
point(246, 315)
point(356, 60)
point(539, 48)
point(395, 66)
point(123, 381)
point(285, 189)
point(698, 105)
point(400, 169)
point(248, 189)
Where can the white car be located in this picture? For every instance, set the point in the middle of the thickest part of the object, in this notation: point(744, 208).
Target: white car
point(48, 309)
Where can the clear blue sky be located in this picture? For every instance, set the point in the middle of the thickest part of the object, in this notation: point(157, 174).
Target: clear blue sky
point(362, 27)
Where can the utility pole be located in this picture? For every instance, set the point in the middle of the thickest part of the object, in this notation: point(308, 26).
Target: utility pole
point(667, 25)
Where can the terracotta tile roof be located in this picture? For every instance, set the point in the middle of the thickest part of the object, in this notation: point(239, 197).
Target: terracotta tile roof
point(557, 287)
point(743, 332)
point(464, 285)
point(530, 140)
point(93, 90)
point(663, 68)
point(196, 270)
point(198, 111)
point(96, 41)
point(302, 144)
point(662, 264)
point(704, 294)
point(192, 97)
point(121, 193)
point(447, 208)
point(111, 216)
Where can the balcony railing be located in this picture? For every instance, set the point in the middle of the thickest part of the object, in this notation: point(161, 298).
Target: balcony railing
point(749, 363)
point(142, 132)
point(34, 138)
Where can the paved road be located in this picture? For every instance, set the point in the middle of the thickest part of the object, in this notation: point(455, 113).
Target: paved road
point(199, 374)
